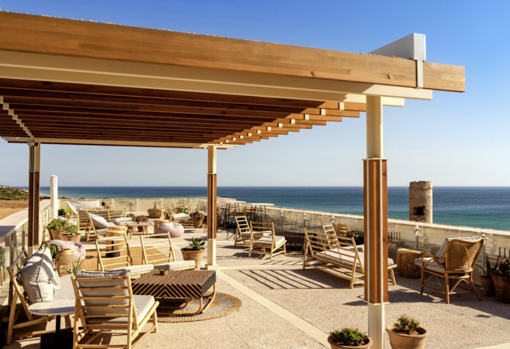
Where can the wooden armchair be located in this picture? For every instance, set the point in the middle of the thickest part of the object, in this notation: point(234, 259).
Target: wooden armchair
point(243, 231)
point(105, 302)
point(23, 329)
point(266, 244)
point(113, 253)
point(158, 250)
point(455, 267)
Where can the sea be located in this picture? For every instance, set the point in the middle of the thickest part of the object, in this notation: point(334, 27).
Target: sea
point(478, 207)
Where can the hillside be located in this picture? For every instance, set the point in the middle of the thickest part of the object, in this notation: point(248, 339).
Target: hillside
point(8, 193)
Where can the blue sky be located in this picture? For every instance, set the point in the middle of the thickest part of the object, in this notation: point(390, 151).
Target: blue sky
point(455, 139)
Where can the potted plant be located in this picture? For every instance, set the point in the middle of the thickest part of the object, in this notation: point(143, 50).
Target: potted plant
point(198, 218)
point(56, 227)
point(194, 252)
point(349, 338)
point(407, 333)
point(68, 212)
point(71, 233)
point(486, 279)
point(501, 277)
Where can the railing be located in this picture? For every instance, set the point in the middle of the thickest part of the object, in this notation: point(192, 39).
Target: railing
point(13, 237)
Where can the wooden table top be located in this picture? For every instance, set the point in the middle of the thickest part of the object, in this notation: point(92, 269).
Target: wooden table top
point(180, 283)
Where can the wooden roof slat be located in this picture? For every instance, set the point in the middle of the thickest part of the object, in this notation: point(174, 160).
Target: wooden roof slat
point(96, 40)
point(29, 85)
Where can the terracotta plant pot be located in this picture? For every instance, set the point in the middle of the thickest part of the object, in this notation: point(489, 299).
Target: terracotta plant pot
point(57, 234)
point(193, 255)
point(197, 223)
point(404, 341)
point(487, 286)
point(502, 286)
point(71, 237)
point(64, 261)
point(339, 346)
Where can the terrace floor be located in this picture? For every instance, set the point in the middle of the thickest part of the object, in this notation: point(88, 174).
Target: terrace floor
point(284, 306)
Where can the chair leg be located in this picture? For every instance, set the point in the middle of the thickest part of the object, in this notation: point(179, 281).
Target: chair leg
point(447, 291)
point(392, 276)
point(472, 285)
point(422, 278)
point(155, 320)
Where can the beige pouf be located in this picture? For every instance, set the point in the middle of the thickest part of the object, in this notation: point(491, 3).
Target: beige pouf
point(175, 229)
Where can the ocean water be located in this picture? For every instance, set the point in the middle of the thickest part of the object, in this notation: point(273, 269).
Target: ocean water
point(479, 207)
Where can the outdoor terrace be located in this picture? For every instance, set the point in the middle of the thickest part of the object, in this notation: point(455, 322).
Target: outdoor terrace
point(284, 306)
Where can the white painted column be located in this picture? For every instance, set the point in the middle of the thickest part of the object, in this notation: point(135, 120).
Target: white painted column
point(211, 209)
point(54, 196)
point(376, 276)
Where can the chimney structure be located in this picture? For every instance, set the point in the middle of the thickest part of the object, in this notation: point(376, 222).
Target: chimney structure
point(420, 201)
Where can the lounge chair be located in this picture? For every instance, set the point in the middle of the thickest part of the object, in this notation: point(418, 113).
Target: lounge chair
point(454, 263)
point(266, 244)
point(105, 302)
point(157, 250)
point(243, 231)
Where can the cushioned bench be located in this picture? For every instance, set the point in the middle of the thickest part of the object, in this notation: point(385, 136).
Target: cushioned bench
point(341, 252)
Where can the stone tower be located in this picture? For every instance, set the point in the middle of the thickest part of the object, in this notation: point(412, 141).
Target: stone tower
point(420, 201)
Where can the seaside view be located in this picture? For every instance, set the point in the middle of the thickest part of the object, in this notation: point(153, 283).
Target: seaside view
point(478, 207)
point(254, 175)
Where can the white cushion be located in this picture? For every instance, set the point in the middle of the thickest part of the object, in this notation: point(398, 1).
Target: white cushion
point(66, 292)
point(175, 265)
point(86, 204)
point(181, 216)
point(257, 233)
point(346, 256)
point(39, 277)
point(142, 304)
point(269, 240)
point(433, 266)
point(136, 269)
point(121, 220)
point(175, 229)
point(442, 250)
point(98, 221)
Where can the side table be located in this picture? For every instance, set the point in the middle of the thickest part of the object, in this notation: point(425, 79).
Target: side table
point(61, 339)
point(405, 263)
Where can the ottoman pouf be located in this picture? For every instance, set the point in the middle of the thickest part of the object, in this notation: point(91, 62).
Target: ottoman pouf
point(175, 229)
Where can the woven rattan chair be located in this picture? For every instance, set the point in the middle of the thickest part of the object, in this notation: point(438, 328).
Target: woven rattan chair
point(113, 253)
point(455, 267)
point(105, 303)
point(158, 250)
point(266, 244)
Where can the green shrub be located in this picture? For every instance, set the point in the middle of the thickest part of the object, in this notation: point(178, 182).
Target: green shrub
point(71, 229)
point(57, 224)
point(349, 336)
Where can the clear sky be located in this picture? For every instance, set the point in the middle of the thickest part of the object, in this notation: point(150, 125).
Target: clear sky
point(459, 139)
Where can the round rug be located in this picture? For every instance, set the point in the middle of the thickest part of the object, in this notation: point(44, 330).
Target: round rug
point(223, 305)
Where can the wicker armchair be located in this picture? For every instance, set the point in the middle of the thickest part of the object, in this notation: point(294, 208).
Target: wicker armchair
point(455, 266)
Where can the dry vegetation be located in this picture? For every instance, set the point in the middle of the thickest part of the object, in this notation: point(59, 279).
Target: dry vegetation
point(8, 207)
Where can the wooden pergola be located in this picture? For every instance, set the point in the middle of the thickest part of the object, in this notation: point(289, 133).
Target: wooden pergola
point(74, 82)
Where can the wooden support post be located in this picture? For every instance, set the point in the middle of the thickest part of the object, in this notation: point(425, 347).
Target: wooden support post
point(376, 222)
point(211, 209)
point(33, 194)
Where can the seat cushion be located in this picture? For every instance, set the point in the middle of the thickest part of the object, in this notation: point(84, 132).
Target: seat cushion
point(181, 216)
point(256, 233)
point(268, 240)
point(66, 292)
point(39, 277)
point(136, 269)
point(175, 265)
point(77, 248)
point(432, 266)
point(143, 305)
point(121, 220)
